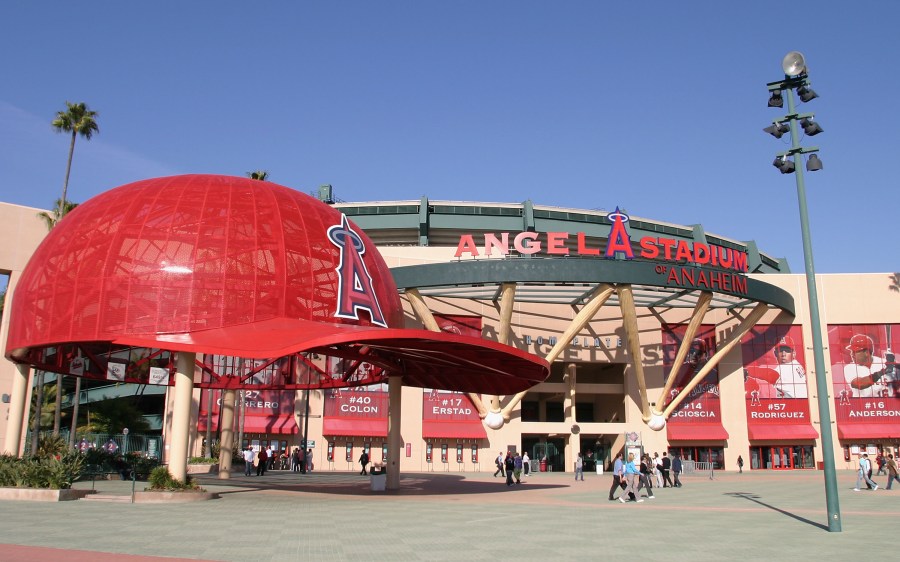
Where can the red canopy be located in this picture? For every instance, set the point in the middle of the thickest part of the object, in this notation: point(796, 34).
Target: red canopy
point(227, 265)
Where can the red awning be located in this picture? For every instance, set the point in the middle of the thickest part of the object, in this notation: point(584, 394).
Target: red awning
point(782, 432)
point(281, 425)
point(435, 429)
point(709, 432)
point(866, 431)
point(355, 427)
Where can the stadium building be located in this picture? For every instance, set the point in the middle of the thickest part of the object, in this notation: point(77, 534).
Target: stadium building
point(661, 337)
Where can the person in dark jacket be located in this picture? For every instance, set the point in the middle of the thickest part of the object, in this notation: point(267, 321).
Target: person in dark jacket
point(666, 466)
point(364, 461)
point(677, 469)
point(262, 460)
point(509, 463)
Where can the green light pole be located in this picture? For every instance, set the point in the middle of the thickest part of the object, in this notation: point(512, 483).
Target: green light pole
point(796, 77)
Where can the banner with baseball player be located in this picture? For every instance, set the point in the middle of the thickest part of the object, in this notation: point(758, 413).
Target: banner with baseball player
point(775, 380)
point(360, 411)
point(703, 405)
point(865, 377)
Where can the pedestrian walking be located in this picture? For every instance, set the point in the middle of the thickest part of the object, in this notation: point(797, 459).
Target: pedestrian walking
point(517, 468)
point(677, 468)
point(499, 462)
point(248, 461)
point(579, 468)
point(891, 467)
point(865, 467)
point(666, 465)
point(657, 470)
point(631, 478)
point(510, 465)
point(618, 467)
point(364, 461)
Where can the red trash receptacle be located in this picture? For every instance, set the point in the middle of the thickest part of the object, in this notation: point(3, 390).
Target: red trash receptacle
point(543, 465)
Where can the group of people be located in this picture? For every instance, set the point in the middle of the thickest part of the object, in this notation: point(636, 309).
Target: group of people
point(632, 475)
point(268, 459)
point(864, 473)
point(512, 466)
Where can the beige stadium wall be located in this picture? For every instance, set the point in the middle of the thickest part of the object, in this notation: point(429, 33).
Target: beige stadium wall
point(21, 232)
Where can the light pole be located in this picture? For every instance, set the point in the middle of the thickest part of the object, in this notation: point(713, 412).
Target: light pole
point(797, 78)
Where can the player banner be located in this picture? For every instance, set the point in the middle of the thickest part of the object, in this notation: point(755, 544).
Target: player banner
point(703, 405)
point(865, 378)
point(775, 382)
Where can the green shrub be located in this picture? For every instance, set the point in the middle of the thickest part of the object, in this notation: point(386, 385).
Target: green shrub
point(51, 446)
point(161, 480)
point(36, 472)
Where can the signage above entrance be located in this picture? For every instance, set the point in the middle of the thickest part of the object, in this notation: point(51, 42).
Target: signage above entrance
point(618, 244)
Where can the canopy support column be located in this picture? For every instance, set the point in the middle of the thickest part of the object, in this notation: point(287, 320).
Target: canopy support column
point(181, 414)
point(17, 410)
point(226, 433)
point(395, 392)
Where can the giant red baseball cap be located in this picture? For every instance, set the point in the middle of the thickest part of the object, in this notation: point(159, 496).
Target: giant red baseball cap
point(233, 266)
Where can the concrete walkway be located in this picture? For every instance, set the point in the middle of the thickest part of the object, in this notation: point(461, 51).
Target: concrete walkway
point(461, 516)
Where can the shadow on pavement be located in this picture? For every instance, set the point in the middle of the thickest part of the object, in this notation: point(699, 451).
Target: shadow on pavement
point(755, 499)
point(352, 484)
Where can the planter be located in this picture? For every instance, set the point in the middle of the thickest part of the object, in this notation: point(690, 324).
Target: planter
point(202, 468)
point(173, 497)
point(42, 494)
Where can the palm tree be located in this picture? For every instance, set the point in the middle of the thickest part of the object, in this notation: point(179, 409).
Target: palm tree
point(78, 120)
point(261, 175)
point(60, 210)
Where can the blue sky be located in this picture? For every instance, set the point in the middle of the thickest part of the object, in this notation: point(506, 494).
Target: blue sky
point(655, 107)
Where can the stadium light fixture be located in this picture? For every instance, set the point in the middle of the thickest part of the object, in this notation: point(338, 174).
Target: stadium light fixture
point(796, 76)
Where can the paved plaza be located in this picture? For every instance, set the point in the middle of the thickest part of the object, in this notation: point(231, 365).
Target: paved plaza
point(460, 516)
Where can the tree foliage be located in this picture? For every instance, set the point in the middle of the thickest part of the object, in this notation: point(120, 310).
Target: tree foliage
point(77, 120)
point(112, 416)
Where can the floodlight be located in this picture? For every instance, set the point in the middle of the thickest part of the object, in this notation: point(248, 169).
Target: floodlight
point(810, 127)
point(806, 94)
point(794, 64)
point(777, 129)
point(784, 165)
point(776, 100)
point(813, 164)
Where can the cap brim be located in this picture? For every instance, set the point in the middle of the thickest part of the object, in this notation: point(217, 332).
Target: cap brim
point(422, 358)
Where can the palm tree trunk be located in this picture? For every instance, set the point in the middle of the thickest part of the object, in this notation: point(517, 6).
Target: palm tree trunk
point(75, 403)
point(62, 202)
point(38, 402)
point(57, 413)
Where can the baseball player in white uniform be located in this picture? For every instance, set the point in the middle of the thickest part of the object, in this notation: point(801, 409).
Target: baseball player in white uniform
point(868, 376)
point(785, 379)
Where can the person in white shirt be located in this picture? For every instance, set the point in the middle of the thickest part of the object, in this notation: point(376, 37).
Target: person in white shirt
point(248, 461)
point(862, 475)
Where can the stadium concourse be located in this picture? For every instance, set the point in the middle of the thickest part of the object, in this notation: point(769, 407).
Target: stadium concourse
point(324, 516)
